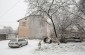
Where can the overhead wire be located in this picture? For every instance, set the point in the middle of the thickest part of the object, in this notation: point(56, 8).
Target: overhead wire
point(10, 9)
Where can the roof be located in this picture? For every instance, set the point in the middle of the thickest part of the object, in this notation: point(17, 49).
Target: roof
point(23, 18)
point(30, 16)
point(3, 31)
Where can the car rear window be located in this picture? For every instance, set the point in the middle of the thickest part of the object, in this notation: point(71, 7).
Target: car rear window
point(14, 40)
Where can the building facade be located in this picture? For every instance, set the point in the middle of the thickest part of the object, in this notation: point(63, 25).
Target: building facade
point(32, 27)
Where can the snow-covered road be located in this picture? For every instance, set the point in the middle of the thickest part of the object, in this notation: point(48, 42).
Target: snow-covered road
point(47, 49)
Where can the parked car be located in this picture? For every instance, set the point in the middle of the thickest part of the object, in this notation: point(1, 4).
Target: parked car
point(71, 37)
point(17, 43)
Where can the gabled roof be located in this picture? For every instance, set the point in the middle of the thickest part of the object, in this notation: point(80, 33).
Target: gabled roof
point(23, 18)
point(29, 16)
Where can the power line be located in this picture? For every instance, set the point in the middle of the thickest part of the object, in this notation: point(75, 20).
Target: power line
point(10, 8)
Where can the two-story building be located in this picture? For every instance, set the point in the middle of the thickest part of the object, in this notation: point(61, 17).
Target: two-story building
point(32, 27)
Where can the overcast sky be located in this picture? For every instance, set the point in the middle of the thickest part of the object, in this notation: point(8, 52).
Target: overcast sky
point(11, 11)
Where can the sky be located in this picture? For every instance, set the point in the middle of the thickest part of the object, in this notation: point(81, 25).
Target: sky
point(11, 11)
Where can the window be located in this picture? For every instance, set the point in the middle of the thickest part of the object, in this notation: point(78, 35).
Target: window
point(23, 23)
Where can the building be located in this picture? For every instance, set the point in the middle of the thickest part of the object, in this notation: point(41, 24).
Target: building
point(3, 35)
point(6, 33)
point(32, 27)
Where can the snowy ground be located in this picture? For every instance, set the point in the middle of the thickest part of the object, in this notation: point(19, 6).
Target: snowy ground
point(47, 49)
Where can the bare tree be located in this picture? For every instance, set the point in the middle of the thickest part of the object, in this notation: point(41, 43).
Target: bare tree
point(8, 30)
point(82, 6)
point(62, 13)
point(48, 8)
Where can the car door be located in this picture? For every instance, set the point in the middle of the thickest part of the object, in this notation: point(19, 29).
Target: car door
point(20, 42)
point(23, 42)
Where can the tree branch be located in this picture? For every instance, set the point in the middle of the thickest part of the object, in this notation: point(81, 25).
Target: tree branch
point(50, 6)
point(74, 14)
point(58, 8)
point(78, 6)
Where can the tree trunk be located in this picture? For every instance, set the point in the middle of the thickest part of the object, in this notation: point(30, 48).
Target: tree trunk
point(55, 30)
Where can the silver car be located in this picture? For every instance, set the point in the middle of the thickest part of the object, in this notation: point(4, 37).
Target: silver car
point(17, 43)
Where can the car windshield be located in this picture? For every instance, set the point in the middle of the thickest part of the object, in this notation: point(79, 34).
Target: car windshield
point(14, 40)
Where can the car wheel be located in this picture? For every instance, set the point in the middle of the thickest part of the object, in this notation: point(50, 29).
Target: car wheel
point(26, 43)
point(20, 45)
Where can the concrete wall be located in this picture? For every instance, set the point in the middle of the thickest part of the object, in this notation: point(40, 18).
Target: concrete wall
point(23, 28)
point(36, 27)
